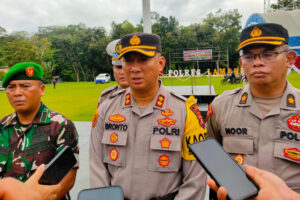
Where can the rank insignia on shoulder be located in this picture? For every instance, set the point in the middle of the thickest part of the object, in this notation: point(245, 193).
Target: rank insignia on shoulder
point(294, 123)
point(244, 98)
point(117, 118)
point(209, 111)
point(95, 118)
point(292, 153)
point(127, 99)
point(196, 111)
point(164, 160)
point(113, 154)
point(239, 159)
point(290, 101)
point(113, 137)
point(165, 143)
point(167, 112)
point(160, 101)
point(166, 122)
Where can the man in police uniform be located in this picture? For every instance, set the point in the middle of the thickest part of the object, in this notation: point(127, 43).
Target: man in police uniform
point(259, 124)
point(112, 48)
point(33, 135)
point(140, 135)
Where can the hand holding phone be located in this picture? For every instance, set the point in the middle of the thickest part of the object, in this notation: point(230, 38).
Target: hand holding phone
point(58, 167)
point(223, 169)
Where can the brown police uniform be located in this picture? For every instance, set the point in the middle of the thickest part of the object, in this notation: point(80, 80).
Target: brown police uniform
point(270, 142)
point(142, 149)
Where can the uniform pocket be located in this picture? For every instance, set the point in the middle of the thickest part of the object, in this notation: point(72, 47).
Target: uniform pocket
point(165, 153)
point(238, 145)
point(287, 151)
point(114, 148)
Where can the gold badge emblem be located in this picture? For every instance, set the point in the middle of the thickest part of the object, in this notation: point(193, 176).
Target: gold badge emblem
point(114, 137)
point(165, 143)
point(118, 47)
point(292, 153)
point(117, 118)
point(113, 154)
point(164, 160)
point(256, 32)
point(167, 112)
point(166, 122)
point(135, 40)
point(29, 71)
point(239, 159)
point(244, 98)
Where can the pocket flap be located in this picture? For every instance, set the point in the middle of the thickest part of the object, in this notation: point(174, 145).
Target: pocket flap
point(115, 138)
point(167, 143)
point(287, 151)
point(238, 145)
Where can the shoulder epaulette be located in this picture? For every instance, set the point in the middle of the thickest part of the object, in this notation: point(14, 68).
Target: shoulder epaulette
point(117, 93)
point(108, 90)
point(228, 93)
point(179, 96)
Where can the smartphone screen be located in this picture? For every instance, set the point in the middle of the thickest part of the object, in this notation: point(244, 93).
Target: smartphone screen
point(103, 193)
point(224, 169)
point(58, 167)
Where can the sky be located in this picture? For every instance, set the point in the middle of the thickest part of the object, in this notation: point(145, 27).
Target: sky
point(28, 15)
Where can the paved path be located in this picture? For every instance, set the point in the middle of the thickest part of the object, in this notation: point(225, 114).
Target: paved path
point(82, 178)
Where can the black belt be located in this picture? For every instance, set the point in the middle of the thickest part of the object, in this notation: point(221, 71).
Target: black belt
point(170, 196)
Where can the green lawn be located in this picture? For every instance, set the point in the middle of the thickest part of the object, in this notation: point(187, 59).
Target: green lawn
point(78, 101)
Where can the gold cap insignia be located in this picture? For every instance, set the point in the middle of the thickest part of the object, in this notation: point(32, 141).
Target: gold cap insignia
point(256, 32)
point(135, 40)
point(118, 48)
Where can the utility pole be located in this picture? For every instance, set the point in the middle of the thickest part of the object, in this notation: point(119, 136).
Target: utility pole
point(147, 16)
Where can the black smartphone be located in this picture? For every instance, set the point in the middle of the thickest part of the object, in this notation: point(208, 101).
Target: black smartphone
point(102, 193)
point(58, 167)
point(224, 170)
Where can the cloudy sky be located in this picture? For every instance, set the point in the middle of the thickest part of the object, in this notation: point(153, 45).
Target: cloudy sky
point(28, 15)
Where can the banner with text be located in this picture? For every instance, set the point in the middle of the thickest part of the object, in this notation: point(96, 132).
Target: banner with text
point(204, 54)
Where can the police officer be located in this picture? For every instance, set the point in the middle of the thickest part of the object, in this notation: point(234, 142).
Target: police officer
point(112, 49)
point(140, 135)
point(265, 132)
point(33, 135)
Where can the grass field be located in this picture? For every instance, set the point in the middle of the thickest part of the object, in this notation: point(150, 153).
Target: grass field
point(78, 101)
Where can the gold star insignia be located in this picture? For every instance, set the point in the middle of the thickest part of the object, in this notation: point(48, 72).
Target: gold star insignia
point(291, 100)
point(244, 98)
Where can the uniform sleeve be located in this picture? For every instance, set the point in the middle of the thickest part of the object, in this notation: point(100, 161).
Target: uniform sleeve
point(99, 176)
point(213, 129)
point(194, 176)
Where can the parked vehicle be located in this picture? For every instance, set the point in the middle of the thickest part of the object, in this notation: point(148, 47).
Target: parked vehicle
point(103, 78)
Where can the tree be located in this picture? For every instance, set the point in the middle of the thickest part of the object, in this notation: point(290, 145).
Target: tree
point(286, 5)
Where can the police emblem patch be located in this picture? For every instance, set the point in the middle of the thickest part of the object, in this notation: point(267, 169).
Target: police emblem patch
point(196, 111)
point(95, 118)
point(292, 153)
point(166, 122)
point(135, 40)
point(160, 101)
point(290, 101)
point(29, 71)
point(256, 32)
point(114, 137)
point(294, 122)
point(117, 118)
point(167, 112)
point(239, 159)
point(165, 143)
point(164, 160)
point(113, 154)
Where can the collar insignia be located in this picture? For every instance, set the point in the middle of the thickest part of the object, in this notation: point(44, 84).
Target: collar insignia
point(290, 101)
point(135, 40)
point(244, 98)
point(29, 71)
point(294, 123)
point(160, 101)
point(256, 32)
point(165, 143)
point(167, 112)
point(292, 153)
point(117, 118)
point(127, 99)
point(164, 160)
point(209, 111)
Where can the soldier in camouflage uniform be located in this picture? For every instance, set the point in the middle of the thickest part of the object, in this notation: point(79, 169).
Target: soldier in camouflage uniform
point(112, 49)
point(33, 135)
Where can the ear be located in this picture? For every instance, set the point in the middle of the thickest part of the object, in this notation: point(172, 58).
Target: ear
point(291, 57)
point(241, 62)
point(43, 89)
point(162, 62)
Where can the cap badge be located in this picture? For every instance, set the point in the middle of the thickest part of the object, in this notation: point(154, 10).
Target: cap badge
point(290, 101)
point(164, 160)
point(118, 48)
point(167, 112)
point(113, 154)
point(256, 32)
point(239, 159)
point(165, 143)
point(29, 71)
point(292, 153)
point(135, 40)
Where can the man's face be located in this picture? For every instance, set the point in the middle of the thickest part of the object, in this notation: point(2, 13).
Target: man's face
point(119, 76)
point(25, 95)
point(141, 71)
point(265, 69)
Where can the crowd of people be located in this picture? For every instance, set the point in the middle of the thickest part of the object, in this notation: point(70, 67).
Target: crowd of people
point(141, 131)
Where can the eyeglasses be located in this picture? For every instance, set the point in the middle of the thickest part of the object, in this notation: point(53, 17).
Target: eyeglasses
point(265, 56)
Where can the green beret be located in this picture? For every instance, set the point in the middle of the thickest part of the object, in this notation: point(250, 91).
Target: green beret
point(23, 71)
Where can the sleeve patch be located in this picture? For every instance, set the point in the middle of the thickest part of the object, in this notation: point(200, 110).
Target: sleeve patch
point(95, 118)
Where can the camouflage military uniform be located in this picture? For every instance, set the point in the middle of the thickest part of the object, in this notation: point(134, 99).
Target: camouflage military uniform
point(24, 148)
